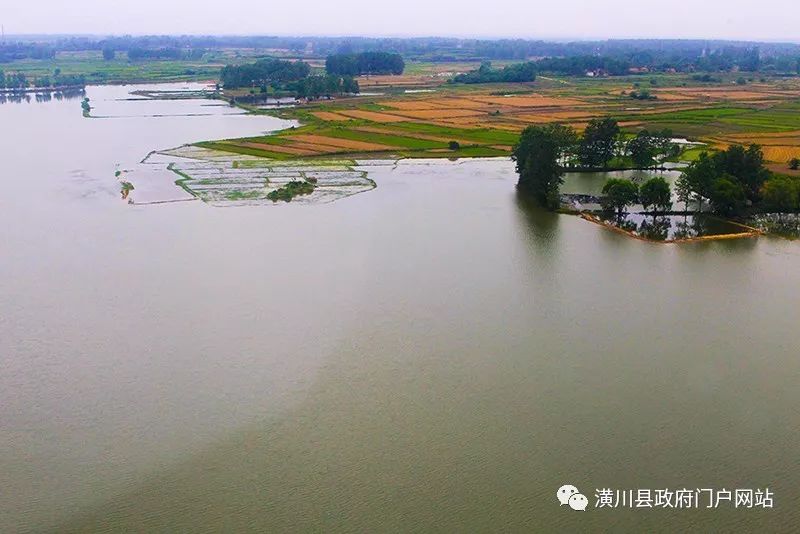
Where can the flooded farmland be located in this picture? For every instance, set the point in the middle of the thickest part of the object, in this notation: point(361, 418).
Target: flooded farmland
point(436, 354)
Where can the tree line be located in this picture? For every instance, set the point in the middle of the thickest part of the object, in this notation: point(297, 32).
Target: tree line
point(143, 54)
point(263, 72)
point(364, 63)
point(682, 55)
point(290, 76)
point(580, 65)
point(18, 80)
point(15, 51)
point(603, 143)
point(519, 72)
point(320, 85)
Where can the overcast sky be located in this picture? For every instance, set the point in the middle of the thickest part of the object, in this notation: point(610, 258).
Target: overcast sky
point(773, 20)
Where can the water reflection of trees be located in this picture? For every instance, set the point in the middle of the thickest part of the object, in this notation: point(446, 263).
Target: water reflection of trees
point(656, 228)
point(41, 96)
point(690, 226)
point(539, 228)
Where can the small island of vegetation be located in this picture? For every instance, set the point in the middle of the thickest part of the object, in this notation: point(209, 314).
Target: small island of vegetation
point(291, 190)
point(733, 183)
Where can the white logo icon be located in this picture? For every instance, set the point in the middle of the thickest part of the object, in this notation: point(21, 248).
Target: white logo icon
point(570, 495)
point(578, 502)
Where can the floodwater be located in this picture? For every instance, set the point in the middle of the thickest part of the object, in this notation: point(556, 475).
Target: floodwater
point(433, 355)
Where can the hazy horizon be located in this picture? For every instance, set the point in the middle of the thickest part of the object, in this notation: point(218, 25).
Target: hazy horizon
point(567, 20)
point(562, 39)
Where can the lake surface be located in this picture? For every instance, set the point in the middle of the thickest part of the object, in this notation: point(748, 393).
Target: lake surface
point(433, 355)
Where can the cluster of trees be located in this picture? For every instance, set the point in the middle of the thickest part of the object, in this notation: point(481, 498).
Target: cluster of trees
point(14, 51)
point(781, 194)
point(580, 65)
point(290, 76)
point(543, 153)
point(539, 157)
point(18, 80)
point(599, 143)
point(313, 87)
point(603, 141)
point(730, 180)
point(655, 193)
point(264, 72)
point(143, 54)
point(364, 63)
point(520, 72)
point(647, 148)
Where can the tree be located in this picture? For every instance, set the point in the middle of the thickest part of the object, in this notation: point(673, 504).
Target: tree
point(618, 194)
point(794, 163)
point(781, 194)
point(537, 155)
point(109, 54)
point(727, 196)
point(655, 192)
point(647, 148)
point(683, 188)
point(598, 142)
point(350, 85)
point(746, 165)
point(700, 176)
point(642, 149)
point(454, 145)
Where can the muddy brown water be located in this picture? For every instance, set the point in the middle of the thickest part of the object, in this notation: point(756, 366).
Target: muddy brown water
point(434, 355)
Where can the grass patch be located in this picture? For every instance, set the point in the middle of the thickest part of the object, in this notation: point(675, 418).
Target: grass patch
point(384, 139)
point(248, 151)
point(244, 195)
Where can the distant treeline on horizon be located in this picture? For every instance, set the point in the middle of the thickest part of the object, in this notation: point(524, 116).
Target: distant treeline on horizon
point(656, 54)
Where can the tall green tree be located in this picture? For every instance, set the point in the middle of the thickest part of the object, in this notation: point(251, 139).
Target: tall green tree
point(643, 149)
point(599, 142)
point(655, 192)
point(618, 194)
point(727, 195)
point(781, 194)
point(683, 190)
point(746, 166)
point(538, 156)
point(700, 176)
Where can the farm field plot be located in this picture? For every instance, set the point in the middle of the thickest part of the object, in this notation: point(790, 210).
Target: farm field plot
point(486, 119)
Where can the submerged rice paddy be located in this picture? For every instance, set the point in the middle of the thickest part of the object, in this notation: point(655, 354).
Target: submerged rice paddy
point(221, 179)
